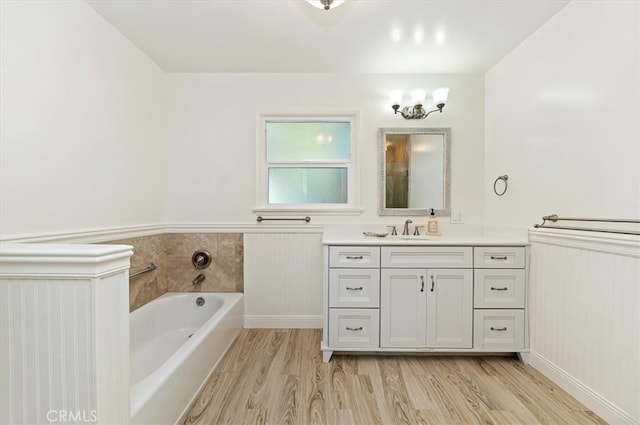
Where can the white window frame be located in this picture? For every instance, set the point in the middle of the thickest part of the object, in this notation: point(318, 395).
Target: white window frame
point(262, 167)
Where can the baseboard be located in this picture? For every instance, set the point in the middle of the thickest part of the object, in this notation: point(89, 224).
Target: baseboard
point(591, 399)
point(286, 322)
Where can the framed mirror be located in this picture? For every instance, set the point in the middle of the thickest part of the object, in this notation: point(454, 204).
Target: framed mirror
point(414, 171)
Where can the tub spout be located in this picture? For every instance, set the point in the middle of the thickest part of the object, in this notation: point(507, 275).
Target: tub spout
point(198, 280)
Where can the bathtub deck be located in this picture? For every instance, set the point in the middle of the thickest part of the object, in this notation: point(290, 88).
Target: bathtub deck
point(277, 376)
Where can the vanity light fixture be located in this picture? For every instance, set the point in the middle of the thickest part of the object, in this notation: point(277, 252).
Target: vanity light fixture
point(417, 98)
point(325, 4)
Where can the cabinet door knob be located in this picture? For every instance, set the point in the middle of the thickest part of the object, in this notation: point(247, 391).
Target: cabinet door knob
point(498, 329)
point(422, 287)
point(498, 289)
point(498, 257)
point(359, 328)
point(349, 288)
point(433, 283)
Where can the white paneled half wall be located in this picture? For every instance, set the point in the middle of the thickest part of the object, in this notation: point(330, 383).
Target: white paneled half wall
point(283, 280)
point(64, 343)
point(585, 318)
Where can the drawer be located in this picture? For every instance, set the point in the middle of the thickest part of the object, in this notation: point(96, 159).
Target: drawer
point(354, 256)
point(498, 329)
point(498, 288)
point(498, 257)
point(354, 328)
point(355, 288)
point(427, 256)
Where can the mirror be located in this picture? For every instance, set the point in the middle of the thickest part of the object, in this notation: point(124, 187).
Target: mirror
point(414, 171)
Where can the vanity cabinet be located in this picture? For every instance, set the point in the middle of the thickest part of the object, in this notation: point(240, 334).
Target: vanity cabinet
point(426, 308)
point(499, 297)
point(354, 297)
point(413, 298)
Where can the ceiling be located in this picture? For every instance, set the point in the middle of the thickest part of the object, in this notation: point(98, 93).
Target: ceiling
point(360, 36)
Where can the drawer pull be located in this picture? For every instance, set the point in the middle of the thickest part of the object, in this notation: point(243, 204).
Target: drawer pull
point(495, 257)
point(359, 328)
point(433, 282)
point(498, 329)
point(499, 289)
point(349, 288)
point(354, 257)
point(422, 287)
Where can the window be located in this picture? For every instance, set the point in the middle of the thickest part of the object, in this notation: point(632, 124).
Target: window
point(306, 163)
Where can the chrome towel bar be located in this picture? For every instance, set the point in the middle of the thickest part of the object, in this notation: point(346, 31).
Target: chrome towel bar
point(554, 219)
point(260, 219)
point(150, 267)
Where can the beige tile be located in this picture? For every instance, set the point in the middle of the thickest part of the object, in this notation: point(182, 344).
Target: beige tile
point(172, 253)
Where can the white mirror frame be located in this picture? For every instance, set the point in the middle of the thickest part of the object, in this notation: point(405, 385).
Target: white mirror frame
point(382, 137)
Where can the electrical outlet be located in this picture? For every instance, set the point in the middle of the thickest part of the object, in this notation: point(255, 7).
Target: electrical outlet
point(457, 217)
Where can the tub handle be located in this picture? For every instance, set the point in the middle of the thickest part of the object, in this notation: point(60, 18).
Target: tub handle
point(201, 259)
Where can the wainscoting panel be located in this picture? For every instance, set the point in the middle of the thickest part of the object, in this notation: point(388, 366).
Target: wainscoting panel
point(64, 338)
point(283, 280)
point(585, 318)
point(44, 327)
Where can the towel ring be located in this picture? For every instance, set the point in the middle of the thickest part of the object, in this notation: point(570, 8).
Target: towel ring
point(504, 179)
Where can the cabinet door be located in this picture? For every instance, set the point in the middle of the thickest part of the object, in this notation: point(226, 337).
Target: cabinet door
point(449, 308)
point(403, 307)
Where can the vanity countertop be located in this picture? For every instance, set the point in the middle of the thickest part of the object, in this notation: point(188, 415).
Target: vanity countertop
point(353, 235)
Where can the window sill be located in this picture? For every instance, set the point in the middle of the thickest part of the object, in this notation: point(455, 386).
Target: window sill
point(286, 211)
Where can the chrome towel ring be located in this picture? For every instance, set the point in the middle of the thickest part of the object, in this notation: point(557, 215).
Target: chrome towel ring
point(504, 178)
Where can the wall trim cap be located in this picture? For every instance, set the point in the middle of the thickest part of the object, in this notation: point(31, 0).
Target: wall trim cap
point(63, 260)
point(628, 245)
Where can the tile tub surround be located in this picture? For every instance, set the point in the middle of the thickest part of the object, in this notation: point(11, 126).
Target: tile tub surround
point(149, 286)
point(171, 253)
point(226, 272)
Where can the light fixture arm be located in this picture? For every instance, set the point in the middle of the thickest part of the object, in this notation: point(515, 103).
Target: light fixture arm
point(415, 112)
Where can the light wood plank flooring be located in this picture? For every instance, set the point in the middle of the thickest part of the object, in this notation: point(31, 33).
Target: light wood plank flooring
point(276, 376)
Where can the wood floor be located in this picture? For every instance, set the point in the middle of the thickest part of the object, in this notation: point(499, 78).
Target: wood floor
point(276, 376)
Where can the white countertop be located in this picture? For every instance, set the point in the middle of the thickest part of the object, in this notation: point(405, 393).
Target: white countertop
point(339, 234)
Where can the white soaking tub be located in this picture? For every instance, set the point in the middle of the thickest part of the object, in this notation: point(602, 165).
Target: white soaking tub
point(174, 346)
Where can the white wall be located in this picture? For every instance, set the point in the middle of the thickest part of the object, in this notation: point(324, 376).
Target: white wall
point(562, 118)
point(213, 136)
point(212, 171)
point(563, 121)
point(82, 143)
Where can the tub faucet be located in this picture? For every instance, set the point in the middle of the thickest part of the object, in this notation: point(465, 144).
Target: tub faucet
point(198, 280)
point(405, 230)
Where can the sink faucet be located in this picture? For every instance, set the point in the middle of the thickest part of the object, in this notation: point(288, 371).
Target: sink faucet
point(405, 229)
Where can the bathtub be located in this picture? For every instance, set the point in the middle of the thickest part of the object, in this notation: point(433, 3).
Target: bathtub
point(174, 346)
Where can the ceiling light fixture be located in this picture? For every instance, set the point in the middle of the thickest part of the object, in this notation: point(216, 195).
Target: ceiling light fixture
point(417, 98)
point(325, 4)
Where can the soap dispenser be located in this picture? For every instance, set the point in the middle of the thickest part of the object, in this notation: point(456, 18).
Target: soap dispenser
point(432, 223)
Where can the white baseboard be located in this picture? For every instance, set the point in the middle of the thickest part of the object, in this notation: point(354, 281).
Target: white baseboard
point(286, 322)
point(591, 399)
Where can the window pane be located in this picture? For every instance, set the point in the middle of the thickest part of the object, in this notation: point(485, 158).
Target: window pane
point(308, 141)
point(307, 185)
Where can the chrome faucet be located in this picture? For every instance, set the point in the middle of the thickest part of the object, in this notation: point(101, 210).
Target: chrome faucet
point(198, 280)
point(405, 229)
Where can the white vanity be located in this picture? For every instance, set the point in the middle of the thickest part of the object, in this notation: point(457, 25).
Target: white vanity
point(424, 294)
